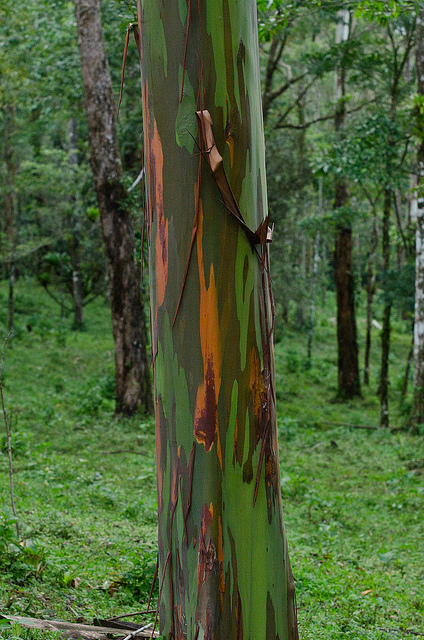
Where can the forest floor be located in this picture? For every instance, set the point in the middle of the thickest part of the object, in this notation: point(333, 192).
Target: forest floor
point(85, 485)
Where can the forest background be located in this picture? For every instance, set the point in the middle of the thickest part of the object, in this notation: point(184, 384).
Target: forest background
point(343, 121)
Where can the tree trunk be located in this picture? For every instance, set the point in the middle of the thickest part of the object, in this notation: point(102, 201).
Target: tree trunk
point(314, 277)
point(77, 293)
point(132, 375)
point(301, 310)
point(224, 571)
point(385, 333)
point(347, 345)
point(370, 298)
point(11, 207)
point(407, 372)
point(418, 408)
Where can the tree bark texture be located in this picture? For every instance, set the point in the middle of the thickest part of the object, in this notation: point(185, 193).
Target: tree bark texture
point(418, 408)
point(224, 570)
point(132, 375)
point(349, 384)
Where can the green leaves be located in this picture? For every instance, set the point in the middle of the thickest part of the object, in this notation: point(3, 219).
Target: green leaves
point(371, 153)
point(383, 12)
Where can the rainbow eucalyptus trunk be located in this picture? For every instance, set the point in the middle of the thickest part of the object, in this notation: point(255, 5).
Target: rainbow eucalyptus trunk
point(224, 571)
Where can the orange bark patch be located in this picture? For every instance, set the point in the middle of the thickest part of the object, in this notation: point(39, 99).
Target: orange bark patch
point(161, 258)
point(153, 158)
point(206, 412)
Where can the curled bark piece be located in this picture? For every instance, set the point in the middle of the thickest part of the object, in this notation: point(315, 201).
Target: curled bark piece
point(215, 162)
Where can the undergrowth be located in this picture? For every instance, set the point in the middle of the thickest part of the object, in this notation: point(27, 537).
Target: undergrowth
point(85, 484)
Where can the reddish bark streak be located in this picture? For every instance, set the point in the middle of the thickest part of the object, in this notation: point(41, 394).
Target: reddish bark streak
point(239, 617)
point(206, 422)
point(138, 43)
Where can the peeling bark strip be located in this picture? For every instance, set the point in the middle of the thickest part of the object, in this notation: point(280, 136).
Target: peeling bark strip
point(216, 164)
point(224, 571)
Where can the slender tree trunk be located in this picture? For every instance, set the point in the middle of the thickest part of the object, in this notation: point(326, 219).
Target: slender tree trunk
point(347, 345)
point(357, 261)
point(11, 206)
point(407, 372)
point(11, 301)
point(385, 333)
point(300, 316)
point(77, 293)
point(418, 408)
point(314, 277)
point(132, 375)
point(224, 571)
point(370, 298)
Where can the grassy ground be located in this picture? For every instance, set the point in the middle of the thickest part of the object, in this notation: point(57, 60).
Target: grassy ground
point(85, 485)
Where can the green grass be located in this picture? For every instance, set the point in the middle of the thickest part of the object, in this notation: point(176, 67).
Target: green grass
point(353, 498)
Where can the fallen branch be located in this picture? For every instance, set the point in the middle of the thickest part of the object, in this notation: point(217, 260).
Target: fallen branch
point(73, 630)
point(130, 615)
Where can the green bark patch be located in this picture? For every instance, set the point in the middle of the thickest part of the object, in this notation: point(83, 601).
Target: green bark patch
point(182, 8)
point(157, 41)
point(185, 124)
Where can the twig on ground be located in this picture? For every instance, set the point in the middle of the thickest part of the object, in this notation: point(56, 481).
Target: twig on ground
point(315, 446)
point(352, 426)
point(137, 631)
point(9, 446)
point(130, 615)
point(109, 453)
